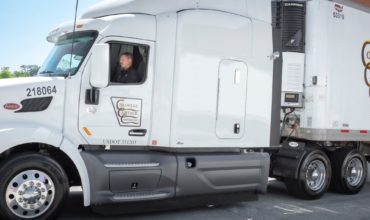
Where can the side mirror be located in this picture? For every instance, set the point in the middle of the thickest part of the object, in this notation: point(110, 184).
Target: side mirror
point(99, 77)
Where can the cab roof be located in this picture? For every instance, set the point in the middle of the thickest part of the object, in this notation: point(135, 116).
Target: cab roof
point(259, 10)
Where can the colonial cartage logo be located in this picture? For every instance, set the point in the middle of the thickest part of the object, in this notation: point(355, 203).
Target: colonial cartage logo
point(128, 111)
point(365, 54)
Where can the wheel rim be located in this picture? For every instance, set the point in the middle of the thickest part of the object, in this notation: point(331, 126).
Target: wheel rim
point(354, 172)
point(30, 193)
point(316, 175)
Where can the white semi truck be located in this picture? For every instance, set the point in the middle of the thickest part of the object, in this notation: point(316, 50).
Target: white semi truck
point(228, 94)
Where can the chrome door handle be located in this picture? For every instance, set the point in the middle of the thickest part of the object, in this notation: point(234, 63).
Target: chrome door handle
point(137, 132)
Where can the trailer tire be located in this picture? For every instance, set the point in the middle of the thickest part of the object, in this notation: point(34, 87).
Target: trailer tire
point(349, 171)
point(32, 186)
point(313, 177)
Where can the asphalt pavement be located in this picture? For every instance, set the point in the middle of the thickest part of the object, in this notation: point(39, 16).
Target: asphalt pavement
point(276, 204)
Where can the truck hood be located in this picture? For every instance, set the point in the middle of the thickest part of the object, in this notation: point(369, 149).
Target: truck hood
point(33, 101)
point(24, 81)
point(16, 90)
point(31, 110)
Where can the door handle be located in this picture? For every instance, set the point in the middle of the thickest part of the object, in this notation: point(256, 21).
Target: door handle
point(137, 132)
point(236, 128)
point(92, 97)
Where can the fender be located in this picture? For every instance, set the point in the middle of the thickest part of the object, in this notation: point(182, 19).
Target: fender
point(72, 151)
point(16, 134)
point(286, 162)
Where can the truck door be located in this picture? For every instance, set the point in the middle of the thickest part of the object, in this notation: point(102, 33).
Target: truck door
point(122, 114)
point(232, 94)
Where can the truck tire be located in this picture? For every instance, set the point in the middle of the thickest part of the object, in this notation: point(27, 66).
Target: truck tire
point(32, 186)
point(349, 171)
point(313, 177)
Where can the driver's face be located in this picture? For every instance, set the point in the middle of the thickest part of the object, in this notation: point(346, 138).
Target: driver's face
point(126, 62)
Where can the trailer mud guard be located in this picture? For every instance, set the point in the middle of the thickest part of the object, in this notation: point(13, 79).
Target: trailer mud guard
point(287, 161)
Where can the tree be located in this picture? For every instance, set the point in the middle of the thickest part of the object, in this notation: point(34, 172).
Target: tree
point(5, 73)
point(26, 71)
point(20, 74)
point(31, 70)
point(4, 68)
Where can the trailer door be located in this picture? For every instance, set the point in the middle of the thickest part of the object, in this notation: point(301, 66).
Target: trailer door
point(231, 103)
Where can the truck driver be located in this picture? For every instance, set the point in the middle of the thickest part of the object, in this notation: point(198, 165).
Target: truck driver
point(127, 73)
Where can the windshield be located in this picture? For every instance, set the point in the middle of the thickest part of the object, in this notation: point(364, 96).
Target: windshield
point(61, 60)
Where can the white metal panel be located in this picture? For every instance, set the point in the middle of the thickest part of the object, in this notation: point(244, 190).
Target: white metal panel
point(249, 8)
point(204, 38)
point(138, 26)
point(15, 133)
point(17, 90)
point(163, 80)
point(232, 94)
point(115, 25)
point(314, 114)
point(348, 94)
point(293, 72)
point(335, 37)
point(259, 88)
point(259, 10)
point(72, 151)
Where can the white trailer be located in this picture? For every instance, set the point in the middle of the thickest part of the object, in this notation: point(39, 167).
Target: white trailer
point(202, 118)
point(325, 93)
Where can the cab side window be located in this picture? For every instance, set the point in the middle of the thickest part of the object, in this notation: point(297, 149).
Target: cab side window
point(128, 63)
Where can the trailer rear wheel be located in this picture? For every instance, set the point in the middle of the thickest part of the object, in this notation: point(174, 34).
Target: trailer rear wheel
point(349, 171)
point(313, 177)
point(32, 186)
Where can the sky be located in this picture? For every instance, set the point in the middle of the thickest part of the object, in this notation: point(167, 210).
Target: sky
point(25, 25)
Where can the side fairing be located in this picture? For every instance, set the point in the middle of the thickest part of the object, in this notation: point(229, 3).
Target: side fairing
point(221, 65)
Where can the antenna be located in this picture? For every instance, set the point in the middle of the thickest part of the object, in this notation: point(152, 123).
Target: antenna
point(73, 40)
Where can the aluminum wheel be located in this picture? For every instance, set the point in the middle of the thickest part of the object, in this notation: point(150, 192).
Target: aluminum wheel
point(316, 175)
point(354, 171)
point(30, 193)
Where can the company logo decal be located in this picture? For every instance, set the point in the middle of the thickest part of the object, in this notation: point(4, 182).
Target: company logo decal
point(338, 11)
point(365, 55)
point(12, 106)
point(128, 111)
point(338, 8)
point(293, 4)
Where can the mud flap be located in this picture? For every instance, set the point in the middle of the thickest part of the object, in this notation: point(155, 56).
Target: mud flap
point(286, 162)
